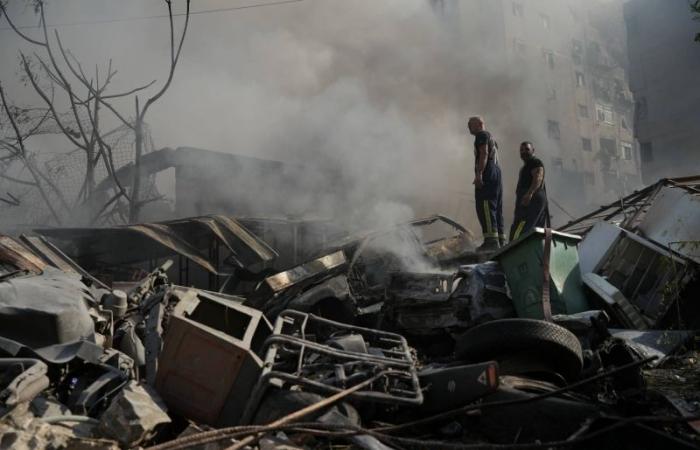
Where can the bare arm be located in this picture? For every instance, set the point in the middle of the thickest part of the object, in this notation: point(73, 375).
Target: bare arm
point(537, 179)
point(481, 160)
point(480, 166)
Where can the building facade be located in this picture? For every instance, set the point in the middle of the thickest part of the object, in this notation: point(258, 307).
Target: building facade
point(573, 100)
point(665, 69)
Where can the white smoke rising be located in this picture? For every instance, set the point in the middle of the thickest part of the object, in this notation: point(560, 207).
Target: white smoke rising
point(378, 91)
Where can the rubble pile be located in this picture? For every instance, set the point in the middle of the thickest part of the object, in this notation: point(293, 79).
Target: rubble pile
point(584, 337)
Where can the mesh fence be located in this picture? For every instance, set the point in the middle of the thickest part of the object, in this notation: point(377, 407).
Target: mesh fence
point(65, 174)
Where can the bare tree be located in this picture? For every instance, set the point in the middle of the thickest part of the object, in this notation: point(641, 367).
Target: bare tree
point(15, 149)
point(87, 96)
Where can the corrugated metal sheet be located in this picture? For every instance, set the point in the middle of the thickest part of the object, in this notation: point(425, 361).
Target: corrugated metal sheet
point(673, 220)
point(189, 238)
point(19, 256)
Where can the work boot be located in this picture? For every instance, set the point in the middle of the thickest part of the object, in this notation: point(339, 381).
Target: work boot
point(490, 245)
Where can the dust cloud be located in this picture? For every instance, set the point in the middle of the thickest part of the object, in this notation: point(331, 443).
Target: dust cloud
point(375, 91)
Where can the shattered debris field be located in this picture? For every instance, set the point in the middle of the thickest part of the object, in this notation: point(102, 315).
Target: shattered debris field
point(222, 332)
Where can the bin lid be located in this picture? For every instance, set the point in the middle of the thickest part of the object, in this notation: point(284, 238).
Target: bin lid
point(539, 233)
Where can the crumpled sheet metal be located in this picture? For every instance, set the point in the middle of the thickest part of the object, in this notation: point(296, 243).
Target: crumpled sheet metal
point(46, 309)
point(166, 237)
point(657, 343)
point(41, 247)
point(186, 237)
point(19, 256)
point(629, 212)
point(673, 221)
point(54, 354)
point(246, 248)
point(305, 271)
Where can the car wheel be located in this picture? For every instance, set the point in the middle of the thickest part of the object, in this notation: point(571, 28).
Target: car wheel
point(554, 346)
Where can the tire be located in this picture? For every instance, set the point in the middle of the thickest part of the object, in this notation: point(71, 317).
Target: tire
point(551, 344)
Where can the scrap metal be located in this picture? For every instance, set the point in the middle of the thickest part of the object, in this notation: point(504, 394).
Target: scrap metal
point(391, 338)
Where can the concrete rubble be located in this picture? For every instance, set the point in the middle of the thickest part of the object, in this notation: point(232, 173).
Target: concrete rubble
point(218, 332)
point(134, 415)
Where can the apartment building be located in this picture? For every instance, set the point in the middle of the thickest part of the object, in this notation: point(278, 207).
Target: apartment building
point(573, 100)
point(664, 73)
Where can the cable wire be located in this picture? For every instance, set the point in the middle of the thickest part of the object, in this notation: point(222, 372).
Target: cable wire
point(157, 16)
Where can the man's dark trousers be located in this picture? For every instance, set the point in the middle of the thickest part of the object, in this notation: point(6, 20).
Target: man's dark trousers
point(530, 216)
point(489, 202)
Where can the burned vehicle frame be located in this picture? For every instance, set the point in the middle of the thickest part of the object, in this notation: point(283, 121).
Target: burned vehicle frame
point(350, 278)
point(295, 354)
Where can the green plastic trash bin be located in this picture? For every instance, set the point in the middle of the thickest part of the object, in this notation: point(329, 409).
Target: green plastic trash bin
point(522, 264)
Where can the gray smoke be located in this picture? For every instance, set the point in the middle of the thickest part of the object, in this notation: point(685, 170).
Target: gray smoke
point(377, 91)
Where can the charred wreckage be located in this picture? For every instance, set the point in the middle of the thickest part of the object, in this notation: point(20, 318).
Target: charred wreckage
point(219, 332)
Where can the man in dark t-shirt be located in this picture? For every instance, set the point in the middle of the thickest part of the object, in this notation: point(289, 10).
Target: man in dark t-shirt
point(531, 208)
point(488, 190)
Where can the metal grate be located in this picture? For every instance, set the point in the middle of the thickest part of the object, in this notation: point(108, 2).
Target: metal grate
point(305, 351)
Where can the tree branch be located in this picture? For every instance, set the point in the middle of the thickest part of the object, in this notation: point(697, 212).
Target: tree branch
point(133, 91)
point(174, 58)
point(16, 30)
point(80, 75)
point(17, 180)
point(53, 77)
point(18, 135)
point(48, 102)
point(13, 149)
point(39, 124)
point(66, 84)
point(105, 206)
point(11, 156)
point(9, 202)
point(23, 156)
point(106, 152)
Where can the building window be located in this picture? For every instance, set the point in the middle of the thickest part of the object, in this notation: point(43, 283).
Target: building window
point(438, 6)
point(608, 146)
point(545, 21)
point(589, 178)
point(619, 86)
point(553, 129)
point(548, 58)
point(641, 109)
point(623, 123)
point(580, 79)
point(586, 145)
point(604, 114)
point(558, 163)
point(626, 150)
point(518, 9)
point(646, 152)
point(577, 46)
point(582, 110)
point(551, 94)
point(577, 52)
point(519, 46)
